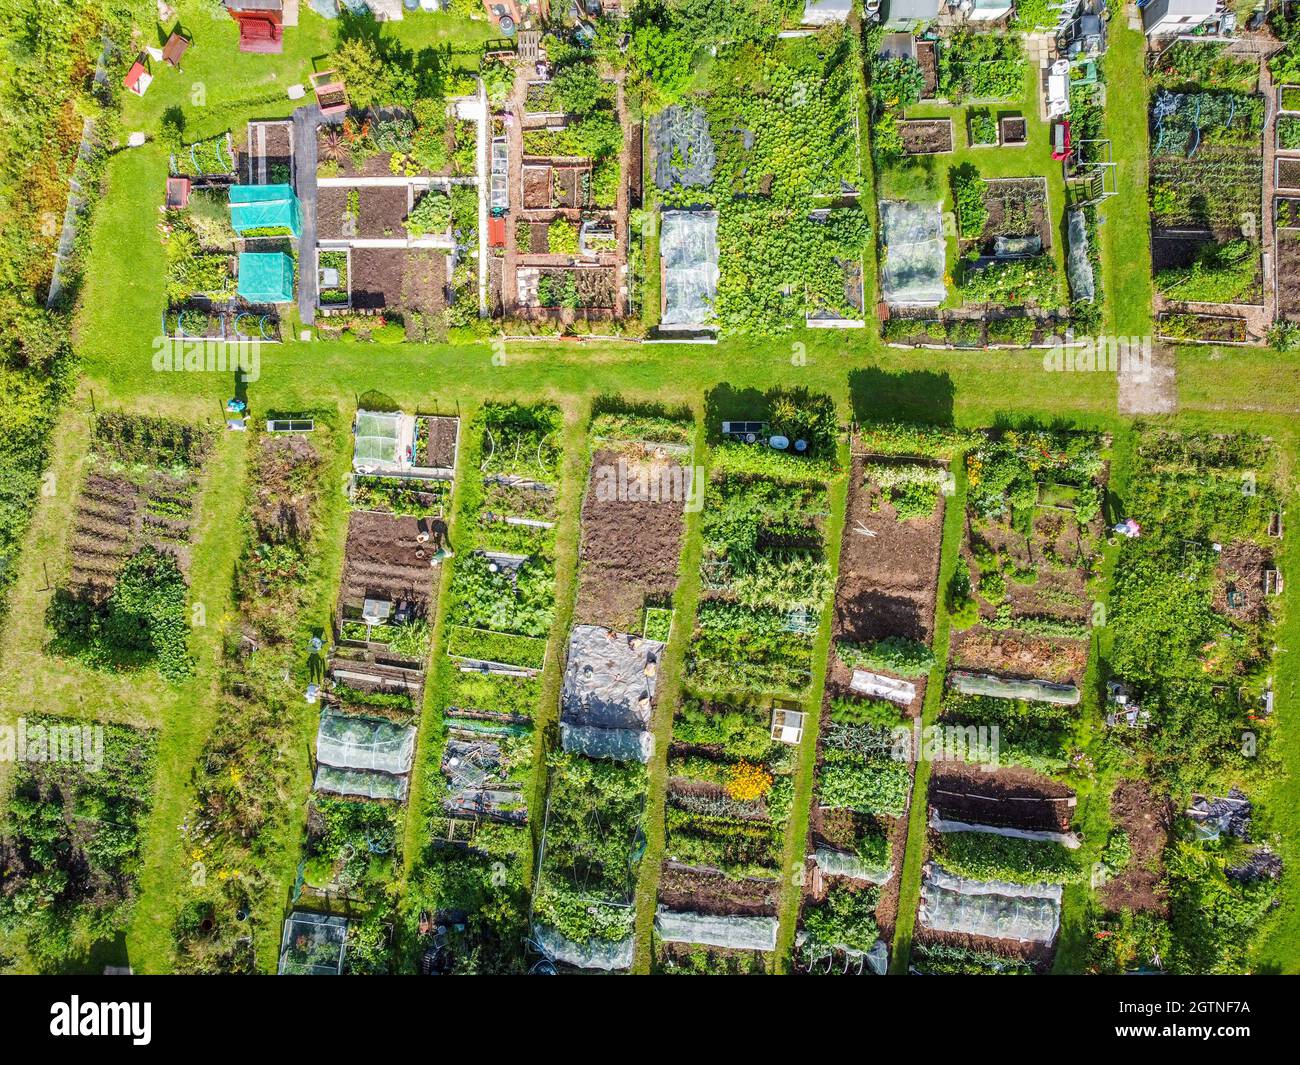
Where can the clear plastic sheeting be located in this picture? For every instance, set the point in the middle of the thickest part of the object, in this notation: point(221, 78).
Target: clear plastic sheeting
point(360, 783)
point(609, 688)
point(349, 742)
point(1078, 262)
point(732, 933)
point(379, 440)
point(1017, 247)
point(1034, 691)
point(914, 253)
point(605, 955)
point(313, 944)
point(622, 745)
point(841, 863)
point(688, 253)
point(1066, 839)
point(1026, 913)
point(683, 148)
point(878, 686)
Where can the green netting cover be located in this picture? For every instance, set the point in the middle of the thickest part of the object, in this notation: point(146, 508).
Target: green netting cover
point(361, 783)
point(1027, 913)
point(840, 863)
point(273, 207)
point(734, 933)
point(1034, 691)
point(378, 439)
point(266, 277)
point(594, 954)
point(313, 944)
point(346, 741)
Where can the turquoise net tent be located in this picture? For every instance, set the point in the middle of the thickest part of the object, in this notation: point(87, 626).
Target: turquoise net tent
point(266, 277)
point(270, 208)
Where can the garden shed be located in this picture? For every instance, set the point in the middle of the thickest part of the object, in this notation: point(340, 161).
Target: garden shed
point(266, 277)
point(265, 210)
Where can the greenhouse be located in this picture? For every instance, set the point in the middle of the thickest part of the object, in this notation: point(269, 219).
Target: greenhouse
point(313, 944)
point(913, 248)
point(1028, 913)
point(265, 211)
point(688, 252)
point(709, 930)
point(266, 277)
point(382, 441)
point(608, 693)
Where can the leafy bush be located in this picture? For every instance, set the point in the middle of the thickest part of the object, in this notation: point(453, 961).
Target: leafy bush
point(968, 191)
point(845, 918)
point(432, 214)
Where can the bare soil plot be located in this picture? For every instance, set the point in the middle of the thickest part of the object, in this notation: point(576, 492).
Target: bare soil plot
point(1136, 810)
point(1011, 797)
point(380, 212)
point(385, 559)
point(684, 887)
point(926, 136)
point(889, 569)
point(927, 59)
point(424, 281)
point(1014, 654)
point(1288, 273)
point(378, 278)
point(438, 447)
point(117, 516)
point(631, 536)
point(1239, 581)
point(1017, 208)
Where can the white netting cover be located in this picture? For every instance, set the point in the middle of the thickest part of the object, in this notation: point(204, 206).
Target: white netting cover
point(349, 742)
point(1078, 264)
point(733, 933)
point(1034, 691)
point(911, 235)
point(1027, 913)
point(378, 439)
point(620, 744)
point(594, 954)
point(841, 863)
point(313, 944)
point(1066, 839)
point(878, 686)
point(688, 249)
point(362, 783)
